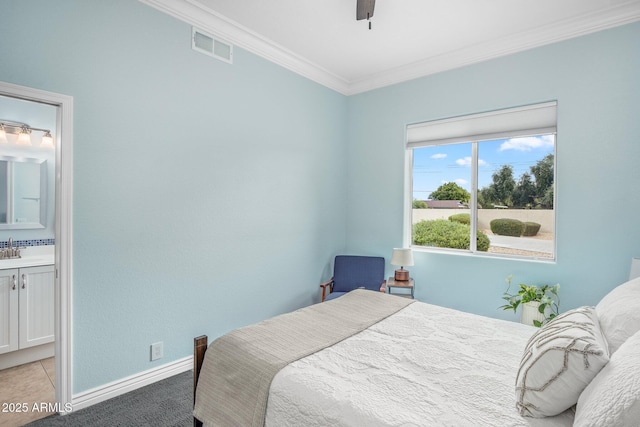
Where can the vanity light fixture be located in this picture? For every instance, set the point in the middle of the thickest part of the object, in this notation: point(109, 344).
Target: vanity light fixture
point(47, 140)
point(23, 131)
point(24, 136)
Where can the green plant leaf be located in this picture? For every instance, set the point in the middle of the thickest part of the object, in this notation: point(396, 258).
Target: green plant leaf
point(547, 295)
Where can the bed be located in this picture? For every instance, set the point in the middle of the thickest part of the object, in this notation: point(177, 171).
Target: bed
point(409, 363)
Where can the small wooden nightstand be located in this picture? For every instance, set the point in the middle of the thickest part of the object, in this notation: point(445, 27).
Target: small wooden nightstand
point(406, 284)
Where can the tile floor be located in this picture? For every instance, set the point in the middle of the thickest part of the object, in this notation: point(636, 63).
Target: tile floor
point(29, 384)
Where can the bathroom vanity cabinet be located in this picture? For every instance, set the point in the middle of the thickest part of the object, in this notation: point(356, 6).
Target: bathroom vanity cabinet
point(26, 307)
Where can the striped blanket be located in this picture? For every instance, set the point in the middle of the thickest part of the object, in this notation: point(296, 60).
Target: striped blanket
point(234, 382)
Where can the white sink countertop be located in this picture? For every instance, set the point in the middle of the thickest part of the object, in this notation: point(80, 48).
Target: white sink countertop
point(32, 256)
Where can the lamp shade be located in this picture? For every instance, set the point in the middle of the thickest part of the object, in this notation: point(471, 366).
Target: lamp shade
point(24, 136)
point(47, 140)
point(402, 257)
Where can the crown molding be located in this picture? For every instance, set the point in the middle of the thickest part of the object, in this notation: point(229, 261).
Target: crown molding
point(540, 36)
point(193, 13)
point(208, 20)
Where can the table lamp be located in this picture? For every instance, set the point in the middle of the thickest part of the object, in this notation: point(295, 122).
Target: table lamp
point(402, 257)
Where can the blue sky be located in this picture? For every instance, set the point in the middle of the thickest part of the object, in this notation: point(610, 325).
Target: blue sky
point(434, 166)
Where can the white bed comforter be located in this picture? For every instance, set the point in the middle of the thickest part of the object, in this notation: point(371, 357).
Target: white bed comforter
point(424, 366)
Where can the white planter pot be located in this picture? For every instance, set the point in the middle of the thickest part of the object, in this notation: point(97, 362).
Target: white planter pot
point(530, 313)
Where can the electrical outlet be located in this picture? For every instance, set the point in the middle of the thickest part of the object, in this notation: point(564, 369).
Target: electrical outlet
point(156, 351)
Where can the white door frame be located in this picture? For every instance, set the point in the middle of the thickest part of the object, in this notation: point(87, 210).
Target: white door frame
point(63, 233)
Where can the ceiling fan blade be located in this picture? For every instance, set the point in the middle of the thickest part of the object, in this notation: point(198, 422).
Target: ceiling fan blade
point(364, 9)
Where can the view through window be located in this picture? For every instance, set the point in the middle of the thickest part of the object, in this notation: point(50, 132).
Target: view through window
point(500, 190)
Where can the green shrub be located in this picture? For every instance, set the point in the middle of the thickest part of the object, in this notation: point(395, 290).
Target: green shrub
point(419, 204)
point(531, 228)
point(446, 234)
point(482, 241)
point(462, 218)
point(507, 227)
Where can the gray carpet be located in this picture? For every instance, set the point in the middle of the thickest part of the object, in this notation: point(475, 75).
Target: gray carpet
point(166, 403)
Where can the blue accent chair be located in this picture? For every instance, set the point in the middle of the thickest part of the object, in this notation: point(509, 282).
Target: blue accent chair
point(352, 272)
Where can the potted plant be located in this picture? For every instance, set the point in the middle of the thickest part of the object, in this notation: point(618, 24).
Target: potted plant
point(539, 304)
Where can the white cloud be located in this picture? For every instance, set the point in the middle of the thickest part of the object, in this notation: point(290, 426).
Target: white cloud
point(527, 143)
point(439, 156)
point(461, 181)
point(467, 162)
point(464, 162)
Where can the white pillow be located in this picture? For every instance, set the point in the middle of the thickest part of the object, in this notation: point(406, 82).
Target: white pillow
point(619, 313)
point(613, 397)
point(559, 361)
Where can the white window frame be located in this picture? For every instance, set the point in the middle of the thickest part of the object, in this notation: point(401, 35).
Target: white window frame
point(528, 120)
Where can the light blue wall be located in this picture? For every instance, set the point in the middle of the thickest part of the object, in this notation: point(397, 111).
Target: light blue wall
point(207, 196)
point(596, 82)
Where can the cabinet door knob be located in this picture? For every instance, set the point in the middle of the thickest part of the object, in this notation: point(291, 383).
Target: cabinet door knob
point(24, 281)
point(13, 280)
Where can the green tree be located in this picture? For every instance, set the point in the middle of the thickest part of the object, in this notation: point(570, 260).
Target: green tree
point(486, 198)
point(546, 202)
point(451, 191)
point(543, 173)
point(500, 192)
point(525, 192)
point(533, 190)
point(419, 204)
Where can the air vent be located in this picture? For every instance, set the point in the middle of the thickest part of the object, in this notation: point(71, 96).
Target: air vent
point(210, 45)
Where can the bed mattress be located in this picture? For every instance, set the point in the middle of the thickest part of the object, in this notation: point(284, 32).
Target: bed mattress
point(424, 366)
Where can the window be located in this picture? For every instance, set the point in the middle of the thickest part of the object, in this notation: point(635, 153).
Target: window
point(489, 175)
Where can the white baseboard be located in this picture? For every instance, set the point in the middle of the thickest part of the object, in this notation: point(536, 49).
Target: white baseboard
point(133, 382)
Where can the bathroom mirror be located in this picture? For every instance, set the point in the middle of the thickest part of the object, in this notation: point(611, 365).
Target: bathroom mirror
point(23, 193)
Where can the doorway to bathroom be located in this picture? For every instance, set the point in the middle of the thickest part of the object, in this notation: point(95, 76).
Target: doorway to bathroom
point(35, 246)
